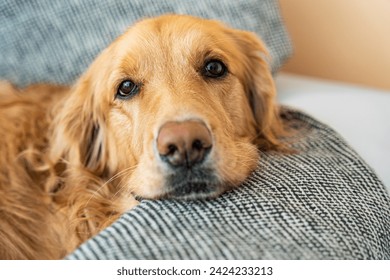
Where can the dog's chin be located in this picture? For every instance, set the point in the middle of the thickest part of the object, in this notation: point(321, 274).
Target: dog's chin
point(188, 184)
point(194, 183)
point(192, 190)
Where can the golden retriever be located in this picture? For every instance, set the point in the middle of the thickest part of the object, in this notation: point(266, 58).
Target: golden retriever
point(176, 107)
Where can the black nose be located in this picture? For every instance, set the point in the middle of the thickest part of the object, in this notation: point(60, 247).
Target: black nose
point(184, 143)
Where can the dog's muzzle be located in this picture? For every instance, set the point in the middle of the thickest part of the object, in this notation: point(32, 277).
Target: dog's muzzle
point(184, 148)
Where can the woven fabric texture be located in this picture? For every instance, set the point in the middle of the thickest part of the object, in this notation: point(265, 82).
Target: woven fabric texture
point(323, 202)
point(55, 41)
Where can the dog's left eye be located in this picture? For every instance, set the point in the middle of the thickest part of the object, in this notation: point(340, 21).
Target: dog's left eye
point(214, 69)
point(127, 89)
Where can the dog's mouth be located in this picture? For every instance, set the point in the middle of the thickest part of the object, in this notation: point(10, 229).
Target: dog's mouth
point(192, 190)
point(196, 183)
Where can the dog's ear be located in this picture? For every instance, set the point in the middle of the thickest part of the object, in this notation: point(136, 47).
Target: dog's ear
point(79, 124)
point(260, 89)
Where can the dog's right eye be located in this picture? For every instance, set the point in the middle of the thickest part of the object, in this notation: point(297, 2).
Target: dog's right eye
point(127, 89)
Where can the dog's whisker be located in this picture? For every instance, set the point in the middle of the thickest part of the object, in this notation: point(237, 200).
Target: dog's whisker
point(120, 187)
point(116, 176)
point(121, 173)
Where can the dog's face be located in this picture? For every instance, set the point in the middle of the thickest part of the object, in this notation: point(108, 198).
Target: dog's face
point(175, 107)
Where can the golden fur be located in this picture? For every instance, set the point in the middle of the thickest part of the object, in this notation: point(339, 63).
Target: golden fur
point(74, 159)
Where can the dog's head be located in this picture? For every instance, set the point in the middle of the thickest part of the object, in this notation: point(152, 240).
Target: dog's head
point(175, 107)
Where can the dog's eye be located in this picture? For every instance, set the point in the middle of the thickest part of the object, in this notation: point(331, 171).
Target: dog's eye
point(127, 89)
point(214, 69)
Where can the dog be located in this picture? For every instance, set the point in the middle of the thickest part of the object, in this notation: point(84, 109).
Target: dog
point(175, 108)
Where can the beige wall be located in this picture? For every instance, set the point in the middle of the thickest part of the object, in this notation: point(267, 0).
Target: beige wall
point(346, 40)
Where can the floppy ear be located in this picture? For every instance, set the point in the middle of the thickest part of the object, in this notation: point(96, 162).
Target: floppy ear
point(260, 89)
point(79, 136)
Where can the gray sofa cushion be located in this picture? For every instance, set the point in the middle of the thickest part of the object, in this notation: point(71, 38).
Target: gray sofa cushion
point(55, 41)
point(322, 203)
